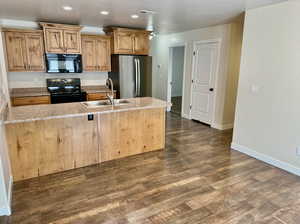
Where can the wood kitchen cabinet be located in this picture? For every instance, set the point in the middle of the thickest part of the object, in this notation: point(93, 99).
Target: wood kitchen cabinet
point(45, 146)
point(96, 53)
point(48, 146)
point(62, 39)
point(98, 96)
point(30, 100)
point(129, 41)
point(141, 43)
point(25, 50)
point(133, 132)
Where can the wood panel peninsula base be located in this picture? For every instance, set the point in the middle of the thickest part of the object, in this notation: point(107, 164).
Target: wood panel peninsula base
point(51, 144)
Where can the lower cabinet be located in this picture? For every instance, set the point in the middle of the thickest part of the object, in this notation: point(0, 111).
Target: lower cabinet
point(97, 96)
point(49, 146)
point(132, 132)
point(30, 100)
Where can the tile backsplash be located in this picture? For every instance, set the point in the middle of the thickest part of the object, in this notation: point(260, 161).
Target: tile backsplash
point(38, 79)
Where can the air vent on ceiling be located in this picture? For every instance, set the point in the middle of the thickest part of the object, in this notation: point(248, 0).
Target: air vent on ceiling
point(145, 11)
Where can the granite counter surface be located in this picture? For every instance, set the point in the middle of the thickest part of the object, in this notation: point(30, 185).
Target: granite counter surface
point(52, 111)
point(42, 91)
point(27, 92)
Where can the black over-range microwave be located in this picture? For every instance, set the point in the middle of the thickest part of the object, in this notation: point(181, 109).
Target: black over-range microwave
point(64, 63)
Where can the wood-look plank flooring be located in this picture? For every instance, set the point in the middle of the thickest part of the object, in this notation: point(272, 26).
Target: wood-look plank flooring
point(197, 179)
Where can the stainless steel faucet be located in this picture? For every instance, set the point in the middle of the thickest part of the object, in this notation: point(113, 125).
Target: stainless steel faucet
point(109, 83)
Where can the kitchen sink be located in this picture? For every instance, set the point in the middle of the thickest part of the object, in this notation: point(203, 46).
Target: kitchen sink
point(103, 103)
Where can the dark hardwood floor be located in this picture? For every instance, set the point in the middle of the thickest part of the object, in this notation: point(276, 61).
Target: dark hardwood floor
point(196, 179)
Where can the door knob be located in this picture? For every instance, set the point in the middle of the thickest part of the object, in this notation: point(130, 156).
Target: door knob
point(211, 89)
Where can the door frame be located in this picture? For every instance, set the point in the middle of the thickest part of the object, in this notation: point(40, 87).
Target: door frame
point(216, 78)
point(169, 88)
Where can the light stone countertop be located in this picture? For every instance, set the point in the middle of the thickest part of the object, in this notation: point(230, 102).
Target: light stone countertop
point(42, 91)
point(52, 111)
point(28, 92)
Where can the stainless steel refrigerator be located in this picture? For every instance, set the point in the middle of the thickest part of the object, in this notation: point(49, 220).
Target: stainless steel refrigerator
point(131, 75)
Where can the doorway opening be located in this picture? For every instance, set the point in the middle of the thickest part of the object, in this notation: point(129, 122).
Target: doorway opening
point(176, 77)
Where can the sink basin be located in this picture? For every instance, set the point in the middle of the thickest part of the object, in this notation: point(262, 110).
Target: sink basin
point(103, 103)
point(121, 102)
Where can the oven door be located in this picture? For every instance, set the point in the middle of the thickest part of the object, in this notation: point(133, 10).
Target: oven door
point(68, 98)
point(64, 63)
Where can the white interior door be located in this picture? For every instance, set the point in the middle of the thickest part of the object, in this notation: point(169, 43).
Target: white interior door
point(203, 81)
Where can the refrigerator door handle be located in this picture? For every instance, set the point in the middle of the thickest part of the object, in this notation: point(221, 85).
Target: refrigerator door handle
point(139, 76)
point(136, 77)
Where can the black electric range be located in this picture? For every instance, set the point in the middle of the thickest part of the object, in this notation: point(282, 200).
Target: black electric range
point(65, 90)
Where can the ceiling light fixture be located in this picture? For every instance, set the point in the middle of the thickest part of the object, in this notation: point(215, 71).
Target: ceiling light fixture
point(104, 12)
point(134, 16)
point(67, 8)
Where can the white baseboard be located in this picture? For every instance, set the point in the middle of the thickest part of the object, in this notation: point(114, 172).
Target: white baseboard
point(222, 126)
point(267, 159)
point(6, 210)
point(10, 190)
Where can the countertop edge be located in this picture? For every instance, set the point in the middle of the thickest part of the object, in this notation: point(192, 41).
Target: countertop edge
point(84, 114)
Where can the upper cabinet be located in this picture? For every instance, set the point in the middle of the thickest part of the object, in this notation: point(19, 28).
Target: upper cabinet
point(141, 43)
point(25, 50)
point(96, 53)
point(129, 41)
point(62, 39)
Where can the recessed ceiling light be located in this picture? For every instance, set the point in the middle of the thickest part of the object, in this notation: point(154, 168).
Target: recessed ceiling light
point(134, 16)
point(67, 8)
point(104, 12)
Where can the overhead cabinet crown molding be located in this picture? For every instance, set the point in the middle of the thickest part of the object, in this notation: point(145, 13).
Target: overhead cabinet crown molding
point(61, 38)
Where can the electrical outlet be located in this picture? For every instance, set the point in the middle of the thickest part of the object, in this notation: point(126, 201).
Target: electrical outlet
point(90, 117)
point(298, 151)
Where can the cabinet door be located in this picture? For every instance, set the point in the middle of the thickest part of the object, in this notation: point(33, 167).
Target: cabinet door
point(129, 133)
point(24, 142)
point(16, 51)
point(141, 43)
point(54, 41)
point(30, 100)
point(48, 146)
point(89, 53)
point(72, 41)
point(67, 143)
point(123, 42)
point(103, 54)
point(35, 51)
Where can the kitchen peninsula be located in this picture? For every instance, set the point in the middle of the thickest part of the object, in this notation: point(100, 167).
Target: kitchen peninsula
point(50, 138)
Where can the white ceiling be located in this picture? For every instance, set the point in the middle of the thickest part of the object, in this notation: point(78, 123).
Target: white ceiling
point(172, 15)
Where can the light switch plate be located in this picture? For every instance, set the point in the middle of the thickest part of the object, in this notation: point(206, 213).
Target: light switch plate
point(298, 151)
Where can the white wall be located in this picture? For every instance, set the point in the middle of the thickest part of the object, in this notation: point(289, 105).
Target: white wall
point(177, 71)
point(5, 170)
point(267, 124)
point(38, 79)
point(229, 56)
